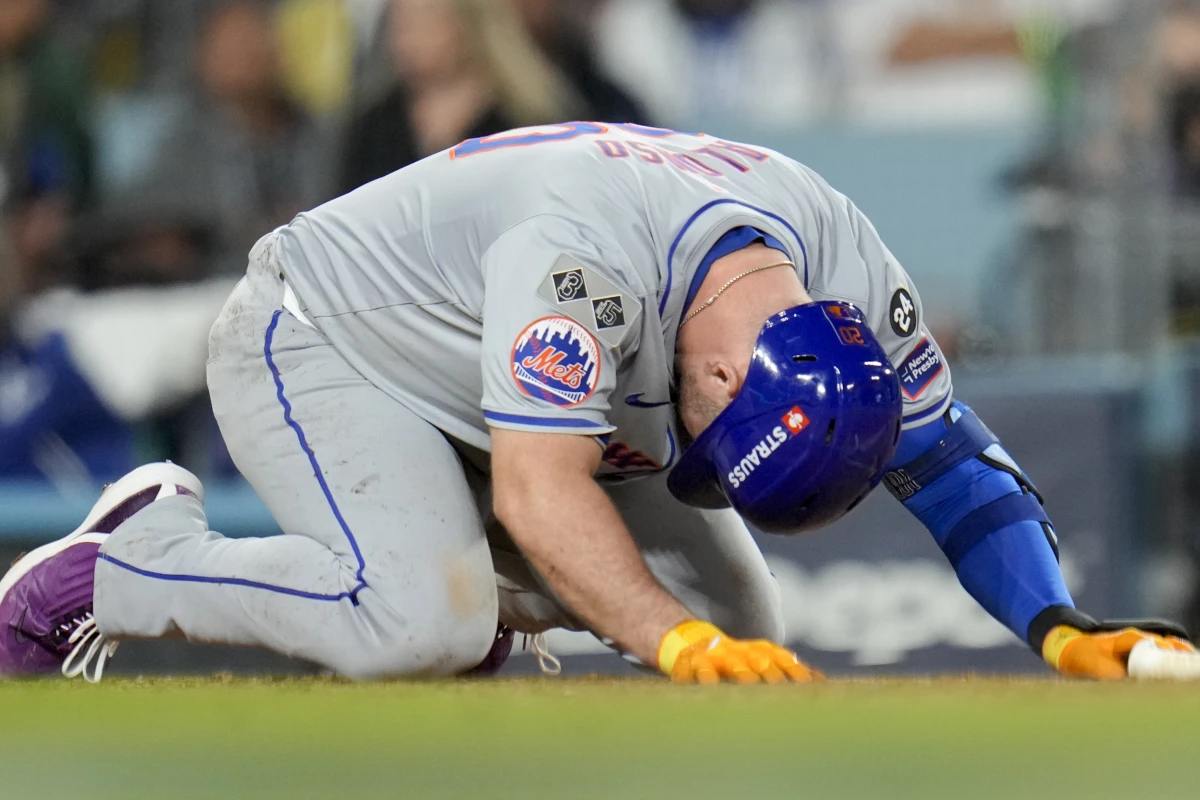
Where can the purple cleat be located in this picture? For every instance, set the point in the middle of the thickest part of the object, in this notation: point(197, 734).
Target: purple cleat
point(494, 660)
point(46, 617)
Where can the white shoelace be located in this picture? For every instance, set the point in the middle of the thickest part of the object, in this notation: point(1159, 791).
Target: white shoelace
point(547, 663)
point(90, 653)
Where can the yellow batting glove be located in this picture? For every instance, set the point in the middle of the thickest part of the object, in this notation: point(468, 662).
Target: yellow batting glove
point(1103, 655)
point(699, 652)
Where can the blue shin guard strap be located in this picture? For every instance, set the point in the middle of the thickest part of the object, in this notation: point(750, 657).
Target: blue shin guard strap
point(967, 438)
point(987, 519)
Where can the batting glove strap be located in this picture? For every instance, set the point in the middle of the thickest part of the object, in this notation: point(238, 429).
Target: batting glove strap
point(1054, 616)
point(1159, 627)
point(1051, 618)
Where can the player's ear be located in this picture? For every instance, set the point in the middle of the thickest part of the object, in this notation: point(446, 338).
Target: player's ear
point(723, 377)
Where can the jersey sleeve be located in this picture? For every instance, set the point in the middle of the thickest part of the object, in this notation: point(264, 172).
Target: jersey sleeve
point(898, 320)
point(555, 322)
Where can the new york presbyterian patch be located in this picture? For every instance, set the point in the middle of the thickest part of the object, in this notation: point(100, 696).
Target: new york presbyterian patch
point(557, 360)
point(920, 369)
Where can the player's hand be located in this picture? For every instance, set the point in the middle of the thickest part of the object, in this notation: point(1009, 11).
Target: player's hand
point(1103, 655)
point(699, 652)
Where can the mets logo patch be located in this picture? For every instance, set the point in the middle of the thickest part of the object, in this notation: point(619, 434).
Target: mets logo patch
point(923, 364)
point(557, 360)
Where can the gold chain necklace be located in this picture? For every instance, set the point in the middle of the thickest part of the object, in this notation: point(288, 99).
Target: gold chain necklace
point(692, 314)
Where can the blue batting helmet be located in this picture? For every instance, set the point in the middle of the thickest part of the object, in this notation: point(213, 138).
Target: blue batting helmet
point(811, 430)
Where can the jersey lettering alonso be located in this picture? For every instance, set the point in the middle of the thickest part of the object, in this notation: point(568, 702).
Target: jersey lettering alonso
point(535, 280)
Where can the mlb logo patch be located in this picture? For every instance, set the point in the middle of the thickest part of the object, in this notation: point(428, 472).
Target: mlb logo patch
point(920, 369)
point(569, 285)
point(795, 420)
point(609, 311)
point(557, 360)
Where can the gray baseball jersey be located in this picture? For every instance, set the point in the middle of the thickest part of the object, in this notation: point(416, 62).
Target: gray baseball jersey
point(535, 279)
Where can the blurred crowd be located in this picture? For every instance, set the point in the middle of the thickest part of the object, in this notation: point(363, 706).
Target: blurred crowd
point(145, 145)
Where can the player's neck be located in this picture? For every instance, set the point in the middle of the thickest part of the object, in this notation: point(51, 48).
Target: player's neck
point(729, 326)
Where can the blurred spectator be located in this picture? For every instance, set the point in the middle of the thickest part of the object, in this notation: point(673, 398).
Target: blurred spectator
point(463, 68)
point(1178, 47)
point(43, 104)
point(144, 238)
point(560, 29)
point(45, 141)
point(760, 63)
point(1184, 112)
point(935, 62)
point(955, 62)
point(81, 370)
point(1178, 40)
point(783, 63)
point(52, 425)
point(244, 153)
point(317, 53)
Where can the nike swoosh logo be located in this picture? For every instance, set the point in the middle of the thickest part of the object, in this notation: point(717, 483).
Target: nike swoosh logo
point(636, 401)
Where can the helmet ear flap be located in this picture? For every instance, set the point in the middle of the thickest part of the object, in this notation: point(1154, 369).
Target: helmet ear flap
point(694, 478)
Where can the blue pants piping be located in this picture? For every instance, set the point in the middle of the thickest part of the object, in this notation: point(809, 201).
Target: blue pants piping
point(360, 584)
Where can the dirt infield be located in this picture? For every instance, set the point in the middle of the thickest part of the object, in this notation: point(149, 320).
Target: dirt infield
point(965, 737)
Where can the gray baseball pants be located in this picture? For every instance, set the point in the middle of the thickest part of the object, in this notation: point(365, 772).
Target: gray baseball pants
point(389, 563)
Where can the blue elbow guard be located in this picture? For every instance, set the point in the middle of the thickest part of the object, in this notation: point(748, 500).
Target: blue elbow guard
point(947, 450)
point(984, 513)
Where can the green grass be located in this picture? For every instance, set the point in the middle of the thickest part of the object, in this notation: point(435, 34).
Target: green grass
point(966, 739)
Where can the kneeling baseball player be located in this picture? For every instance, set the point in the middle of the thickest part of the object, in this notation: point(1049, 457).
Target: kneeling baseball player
point(544, 379)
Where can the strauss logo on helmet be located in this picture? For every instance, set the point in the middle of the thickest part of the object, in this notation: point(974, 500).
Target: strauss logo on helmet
point(794, 421)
